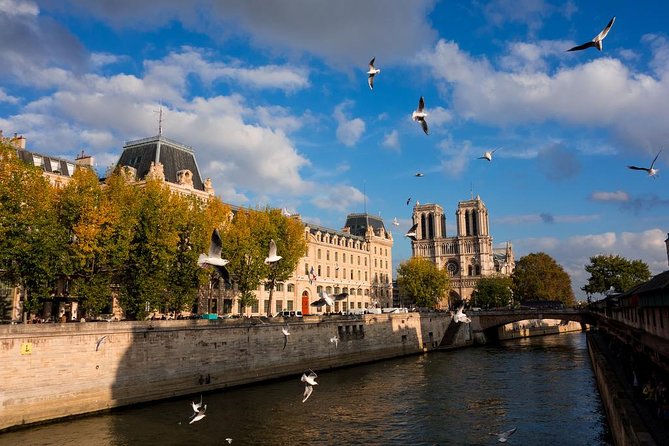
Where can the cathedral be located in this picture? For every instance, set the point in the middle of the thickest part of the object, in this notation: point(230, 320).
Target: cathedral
point(469, 255)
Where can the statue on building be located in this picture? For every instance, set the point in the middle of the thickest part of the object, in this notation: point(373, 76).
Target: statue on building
point(185, 178)
point(208, 187)
point(156, 172)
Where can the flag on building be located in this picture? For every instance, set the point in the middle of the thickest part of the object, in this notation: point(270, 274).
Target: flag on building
point(312, 276)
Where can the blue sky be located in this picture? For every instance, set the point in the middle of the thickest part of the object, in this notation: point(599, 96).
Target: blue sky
point(273, 97)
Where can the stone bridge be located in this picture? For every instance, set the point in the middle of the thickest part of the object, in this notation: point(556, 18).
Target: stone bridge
point(488, 319)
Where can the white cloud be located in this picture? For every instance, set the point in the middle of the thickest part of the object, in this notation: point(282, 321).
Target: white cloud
point(391, 140)
point(618, 195)
point(4, 97)
point(544, 217)
point(349, 131)
point(573, 253)
point(18, 8)
point(338, 198)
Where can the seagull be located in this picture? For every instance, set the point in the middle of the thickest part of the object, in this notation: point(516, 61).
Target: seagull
point(334, 340)
point(100, 342)
point(412, 232)
point(420, 174)
point(372, 72)
point(461, 317)
point(285, 212)
point(272, 257)
point(196, 406)
point(503, 436)
point(214, 257)
point(340, 296)
point(597, 41)
point(419, 115)
point(487, 155)
point(408, 201)
point(229, 440)
point(396, 222)
point(324, 300)
point(309, 383)
point(651, 170)
point(198, 413)
point(286, 333)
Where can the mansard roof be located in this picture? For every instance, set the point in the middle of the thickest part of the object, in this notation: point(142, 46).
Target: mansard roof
point(313, 229)
point(172, 155)
point(48, 163)
point(357, 224)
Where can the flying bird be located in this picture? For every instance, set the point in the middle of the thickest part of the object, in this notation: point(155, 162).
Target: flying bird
point(324, 300)
point(461, 317)
point(597, 41)
point(100, 342)
point(340, 296)
point(487, 155)
point(372, 72)
point(196, 406)
point(408, 201)
point(334, 340)
point(651, 170)
point(214, 257)
point(309, 383)
point(412, 232)
point(286, 333)
point(420, 174)
point(419, 115)
point(198, 413)
point(396, 222)
point(502, 437)
point(272, 257)
point(229, 440)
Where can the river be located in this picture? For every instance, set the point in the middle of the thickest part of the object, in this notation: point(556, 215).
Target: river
point(544, 386)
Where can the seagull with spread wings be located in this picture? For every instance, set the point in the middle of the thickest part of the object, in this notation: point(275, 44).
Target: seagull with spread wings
point(272, 257)
point(651, 170)
point(597, 41)
point(372, 72)
point(411, 233)
point(214, 257)
point(309, 383)
point(419, 115)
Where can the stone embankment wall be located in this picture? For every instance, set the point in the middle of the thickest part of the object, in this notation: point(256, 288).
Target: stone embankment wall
point(626, 426)
point(59, 370)
point(545, 329)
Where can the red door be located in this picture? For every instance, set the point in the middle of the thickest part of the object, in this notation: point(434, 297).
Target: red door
point(305, 302)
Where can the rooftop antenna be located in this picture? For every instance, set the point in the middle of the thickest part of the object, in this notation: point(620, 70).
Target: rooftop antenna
point(471, 191)
point(364, 196)
point(160, 119)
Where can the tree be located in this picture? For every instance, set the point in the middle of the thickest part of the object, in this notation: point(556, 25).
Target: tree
point(608, 271)
point(421, 280)
point(539, 276)
point(492, 292)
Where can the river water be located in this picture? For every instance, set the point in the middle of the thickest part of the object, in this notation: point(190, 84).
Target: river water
point(544, 386)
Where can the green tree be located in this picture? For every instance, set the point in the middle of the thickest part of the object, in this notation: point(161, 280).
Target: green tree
point(608, 271)
point(31, 240)
point(539, 276)
point(421, 280)
point(493, 292)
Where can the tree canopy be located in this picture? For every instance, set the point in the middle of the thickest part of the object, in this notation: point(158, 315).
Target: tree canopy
point(608, 271)
point(538, 276)
point(420, 279)
point(493, 292)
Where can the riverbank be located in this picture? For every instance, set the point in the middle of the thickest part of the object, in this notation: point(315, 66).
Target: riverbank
point(630, 420)
point(542, 328)
point(56, 371)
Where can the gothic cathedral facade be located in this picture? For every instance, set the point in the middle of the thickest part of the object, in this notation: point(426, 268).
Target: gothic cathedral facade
point(469, 255)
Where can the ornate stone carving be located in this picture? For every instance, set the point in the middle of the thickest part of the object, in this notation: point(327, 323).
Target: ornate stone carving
point(208, 187)
point(156, 172)
point(185, 178)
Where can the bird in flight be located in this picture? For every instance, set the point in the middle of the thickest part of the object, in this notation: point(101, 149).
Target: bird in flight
point(460, 316)
point(651, 170)
point(272, 257)
point(412, 232)
point(597, 41)
point(334, 340)
point(396, 222)
point(100, 342)
point(309, 383)
point(198, 411)
point(419, 174)
point(214, 257)
point(408, 201)
point(324, 300)
point(419, 115)
point(487, 155)
point(502, 437)
point(372, 72)
point(340, 296)
point(286, 333)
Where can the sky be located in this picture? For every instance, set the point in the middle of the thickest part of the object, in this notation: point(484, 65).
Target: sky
point(274, 100)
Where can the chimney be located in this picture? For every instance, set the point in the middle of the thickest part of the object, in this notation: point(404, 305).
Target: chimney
point(666, 242)
point(18, 141)
point(85, 160)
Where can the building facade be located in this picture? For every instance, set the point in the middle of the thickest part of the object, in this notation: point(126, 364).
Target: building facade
point(469, 255)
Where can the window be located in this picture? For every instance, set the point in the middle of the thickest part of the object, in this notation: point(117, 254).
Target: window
point(319, 254)
point(254, 307)
point(306, 269)
point(365, 261)
point(268, 287)
point(328, 271)
point(319, 289)
point(38, 161)
point(265, 306)
point(327, 254)
point(291, 288)
point(279, 306)
point(279, 287)
point(328, 290)
point(352, 274)
point(336, 256)
point(289, 305)
point(319, 270)
point(70, 169)
point(358, 260)
point(343, 257)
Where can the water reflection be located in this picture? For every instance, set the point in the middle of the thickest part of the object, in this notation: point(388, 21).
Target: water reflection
point(541, 385)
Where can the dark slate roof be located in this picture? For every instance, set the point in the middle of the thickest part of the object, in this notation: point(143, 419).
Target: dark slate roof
point(49, 163)
point(315, 228)
point(357, 223)
point(656, 284)
point(173, 156)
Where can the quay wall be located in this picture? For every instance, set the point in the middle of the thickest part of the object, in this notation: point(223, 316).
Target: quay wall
point(627, 428)
point(52, 371)
point(543, 330)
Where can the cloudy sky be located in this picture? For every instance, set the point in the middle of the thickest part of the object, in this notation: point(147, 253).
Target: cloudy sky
point(273, 97)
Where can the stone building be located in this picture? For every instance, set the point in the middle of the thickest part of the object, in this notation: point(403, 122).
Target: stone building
point(467, 256)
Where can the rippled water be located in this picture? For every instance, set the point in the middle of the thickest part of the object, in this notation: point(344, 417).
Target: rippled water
point(543, 386)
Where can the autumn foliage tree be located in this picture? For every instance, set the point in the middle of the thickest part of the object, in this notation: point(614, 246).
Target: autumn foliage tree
point(538, 276)
point(420, 279)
